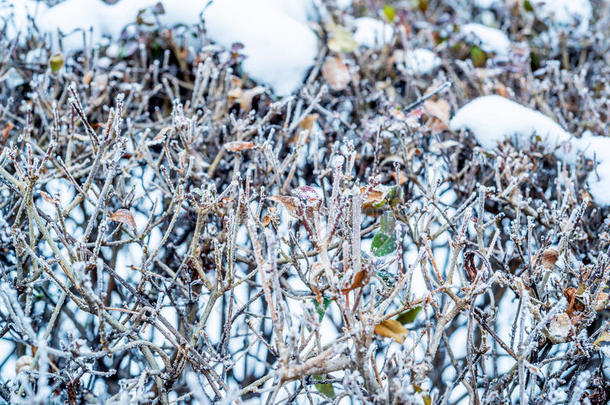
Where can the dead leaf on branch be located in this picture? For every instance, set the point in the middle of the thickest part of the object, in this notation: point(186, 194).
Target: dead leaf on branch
point(393, 329)
point(123, 216)
point(238, 146)
point(357, 282)
point(308, 122)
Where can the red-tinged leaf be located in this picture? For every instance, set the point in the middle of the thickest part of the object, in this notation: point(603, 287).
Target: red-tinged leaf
point(47, 197)
point(123, 216)
point(238, 146)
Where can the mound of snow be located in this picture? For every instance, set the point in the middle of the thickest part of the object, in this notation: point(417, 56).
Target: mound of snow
point(421, 61)
point(279, 45)
point(570, 16)
point(492, 119)
point(14, 15)
point(487, 38)
point(279, 48)
point(372, 33)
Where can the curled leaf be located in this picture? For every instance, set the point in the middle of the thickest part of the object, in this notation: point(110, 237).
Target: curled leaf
point(357, 282)
point(439, 110)
point(123, 216)
point(392, 329)
point(308, 195)
point(245, 97)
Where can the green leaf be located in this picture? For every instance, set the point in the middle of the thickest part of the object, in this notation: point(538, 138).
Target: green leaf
point(394, 195)
point(321, 309)
point(383, 244)
point(389, 12)
point(326, 389)
point(527, 5)
point(56, 62)
point(478, 56)
point(409, 316)
point(384, 241)
point(384, 275)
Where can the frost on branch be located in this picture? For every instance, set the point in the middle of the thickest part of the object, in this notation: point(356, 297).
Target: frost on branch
point(395, 207)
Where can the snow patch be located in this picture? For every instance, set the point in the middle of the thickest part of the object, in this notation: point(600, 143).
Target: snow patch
point(279, 46)
point(372, 33)
point(491, 119)
point(487, 38)
point(570, 16)
point(421, 61)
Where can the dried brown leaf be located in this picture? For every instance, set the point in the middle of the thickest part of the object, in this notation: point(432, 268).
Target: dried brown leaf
point(393, 329)
point(336, 73)
point(357, 282)
point(123, 216)
point(308, 122)
point(438, 109)
point(238, 146)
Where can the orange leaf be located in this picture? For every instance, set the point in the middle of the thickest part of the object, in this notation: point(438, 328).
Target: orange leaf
point(238, 146)
point(336, 73)
point(307, 123)
point(393, 329)
point(358, 281)
point(402, 178)
point(123, 216)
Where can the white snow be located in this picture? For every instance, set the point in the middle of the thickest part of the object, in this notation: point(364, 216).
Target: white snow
point(343, 4)
point(279, 48)
point(372, 33)
point(486, 4)
point(487, 38)
point(15, 15)
point(279, 45)
point(570, 16)
point(421, 61)
point(491, 119)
